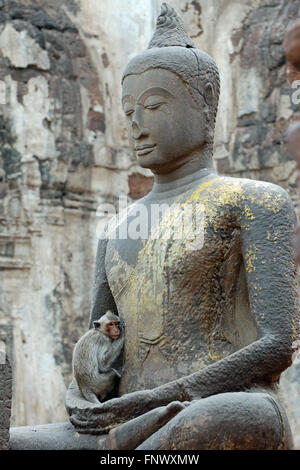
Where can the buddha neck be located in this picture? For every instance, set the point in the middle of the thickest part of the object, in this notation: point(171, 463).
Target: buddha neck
point(184, 175)
point(180, 185)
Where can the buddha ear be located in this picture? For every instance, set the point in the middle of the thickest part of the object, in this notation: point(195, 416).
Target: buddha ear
point(209, 93)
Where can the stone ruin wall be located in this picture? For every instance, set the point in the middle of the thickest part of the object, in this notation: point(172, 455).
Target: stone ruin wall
point(64, 151)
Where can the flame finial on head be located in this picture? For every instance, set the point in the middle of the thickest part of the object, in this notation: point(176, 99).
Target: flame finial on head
point(170, 30)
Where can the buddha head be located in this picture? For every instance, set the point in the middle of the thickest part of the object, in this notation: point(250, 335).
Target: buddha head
point(170, 96)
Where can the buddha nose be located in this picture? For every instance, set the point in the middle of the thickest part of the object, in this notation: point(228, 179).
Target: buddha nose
point(137, 126)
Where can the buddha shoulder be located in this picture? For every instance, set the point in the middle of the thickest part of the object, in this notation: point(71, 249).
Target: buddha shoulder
point(242, 193)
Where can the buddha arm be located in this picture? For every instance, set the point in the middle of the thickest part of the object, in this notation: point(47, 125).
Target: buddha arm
point(102, 298)
point(267, 245)
point(267, 226)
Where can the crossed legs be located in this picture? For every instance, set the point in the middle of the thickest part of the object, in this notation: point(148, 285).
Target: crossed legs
point(228, 421)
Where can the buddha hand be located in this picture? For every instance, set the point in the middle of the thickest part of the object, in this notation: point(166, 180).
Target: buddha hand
point(90, 418)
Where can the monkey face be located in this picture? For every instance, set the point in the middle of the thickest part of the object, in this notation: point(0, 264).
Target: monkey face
point(109, 324)
point(113, 330)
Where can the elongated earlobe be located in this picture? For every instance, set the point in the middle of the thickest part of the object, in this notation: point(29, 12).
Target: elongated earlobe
point(209, 93)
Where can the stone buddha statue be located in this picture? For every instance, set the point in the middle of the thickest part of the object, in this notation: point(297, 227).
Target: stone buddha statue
point(210, 313)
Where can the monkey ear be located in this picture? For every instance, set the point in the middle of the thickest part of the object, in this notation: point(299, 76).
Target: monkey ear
point(96, 325)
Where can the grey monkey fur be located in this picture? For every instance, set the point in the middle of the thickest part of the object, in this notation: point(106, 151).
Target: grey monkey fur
point(94, 355)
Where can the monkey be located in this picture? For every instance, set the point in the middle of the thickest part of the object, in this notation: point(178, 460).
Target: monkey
point(94, 356)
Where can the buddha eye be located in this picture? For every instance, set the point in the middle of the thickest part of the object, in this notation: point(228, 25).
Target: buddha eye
point(154, 102)
point(154, 105)
point(128, 108)
point(128, 112)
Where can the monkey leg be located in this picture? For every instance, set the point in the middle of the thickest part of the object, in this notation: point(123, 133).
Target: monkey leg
point(129, 435)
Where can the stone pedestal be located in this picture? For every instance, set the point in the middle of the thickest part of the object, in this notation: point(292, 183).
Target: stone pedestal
point(5, 385)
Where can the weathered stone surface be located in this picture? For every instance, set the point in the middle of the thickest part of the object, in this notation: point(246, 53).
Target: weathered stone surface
point(46, 161)
point(5, 403)
point(5, 384)
point(21, 50)
point(64, 151)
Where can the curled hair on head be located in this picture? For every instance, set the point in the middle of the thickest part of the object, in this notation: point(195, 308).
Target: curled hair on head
point(170, 30)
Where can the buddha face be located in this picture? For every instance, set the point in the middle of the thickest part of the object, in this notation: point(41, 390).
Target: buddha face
point(165, 126)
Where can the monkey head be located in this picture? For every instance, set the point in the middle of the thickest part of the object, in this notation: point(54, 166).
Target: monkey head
point(109, 324)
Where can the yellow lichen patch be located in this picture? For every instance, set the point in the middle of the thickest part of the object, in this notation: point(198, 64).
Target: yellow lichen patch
point(195, 195)
point(248, 213)
point(221, 192)
point(250, 258)
point(268, 200)
point(275, 237)
point(217, 194)
point(214, 357)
